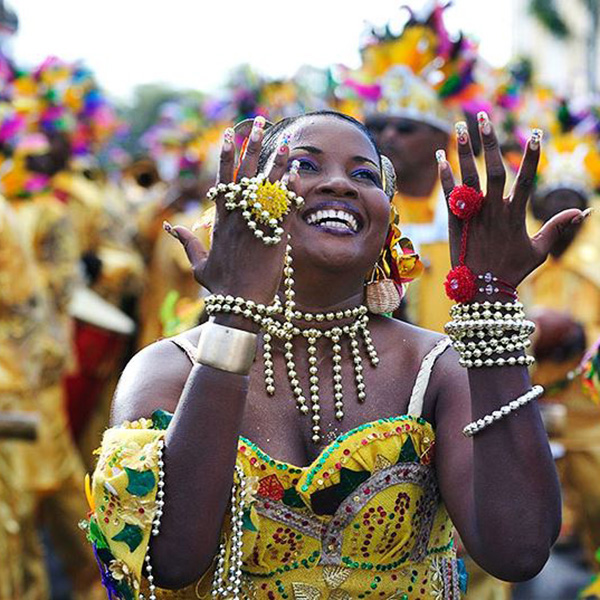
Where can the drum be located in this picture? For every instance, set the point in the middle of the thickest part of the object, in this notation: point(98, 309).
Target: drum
point(101, 336)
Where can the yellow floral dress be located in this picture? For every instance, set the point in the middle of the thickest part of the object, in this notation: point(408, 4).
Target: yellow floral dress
point(363, 520)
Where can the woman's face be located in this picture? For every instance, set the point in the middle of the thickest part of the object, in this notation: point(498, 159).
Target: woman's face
point(344, 221)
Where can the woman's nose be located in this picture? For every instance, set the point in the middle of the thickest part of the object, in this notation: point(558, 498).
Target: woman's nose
point(338, 185)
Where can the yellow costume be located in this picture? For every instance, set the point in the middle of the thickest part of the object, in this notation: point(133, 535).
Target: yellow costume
point(85, 207)
point(365, 517)
point(571, 283)
point(20, 320)
point(425, 222)
point(169, 271)
point(54, 467)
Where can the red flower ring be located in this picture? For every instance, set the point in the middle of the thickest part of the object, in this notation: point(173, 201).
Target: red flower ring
point(465, 201)
point(461, 284)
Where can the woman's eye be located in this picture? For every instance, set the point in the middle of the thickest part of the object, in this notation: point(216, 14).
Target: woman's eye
point(368, 175)
point(305, 164)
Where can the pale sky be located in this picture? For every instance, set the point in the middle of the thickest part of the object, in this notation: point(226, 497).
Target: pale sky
point(194, 43)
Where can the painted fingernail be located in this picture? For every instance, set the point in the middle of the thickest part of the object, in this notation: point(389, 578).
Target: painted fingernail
point(440, 156)
point(294, 168)
point(484, 122)
point(536, 139)
point(169, 229)
point(228, 137)
point(259, 122)
point(462, 132)
point(285, 142)
point(587, 212)
point(256, 134)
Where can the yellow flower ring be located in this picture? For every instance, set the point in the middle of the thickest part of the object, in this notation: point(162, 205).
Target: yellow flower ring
point(271, 201)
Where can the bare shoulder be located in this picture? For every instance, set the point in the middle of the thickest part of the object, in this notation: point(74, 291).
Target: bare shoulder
point(153, 379)
point(405, 340)
point(410, 345)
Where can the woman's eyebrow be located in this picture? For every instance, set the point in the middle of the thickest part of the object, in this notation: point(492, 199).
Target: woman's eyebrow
point(311, 149)
point(365, 159)
point(315, 150)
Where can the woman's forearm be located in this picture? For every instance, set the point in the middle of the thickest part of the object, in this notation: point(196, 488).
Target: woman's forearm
point(516, 493)
point(199, 458)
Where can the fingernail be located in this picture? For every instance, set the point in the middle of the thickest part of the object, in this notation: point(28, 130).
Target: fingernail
point(294, 168)
point(484, 122)
point(536, 139)
point(440, 156)
point(259, 122)
point(228, 137)
point(282, 148)
point(462, 132)
point(169, 229)
point(256, 133)
point(580, 218)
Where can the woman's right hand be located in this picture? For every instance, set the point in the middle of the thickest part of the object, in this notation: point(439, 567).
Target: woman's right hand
point(238, 263)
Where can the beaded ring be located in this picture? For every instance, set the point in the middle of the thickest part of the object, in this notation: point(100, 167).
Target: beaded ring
point(262, 203)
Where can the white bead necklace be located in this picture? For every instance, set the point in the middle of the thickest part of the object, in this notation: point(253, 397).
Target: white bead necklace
point(273, 326)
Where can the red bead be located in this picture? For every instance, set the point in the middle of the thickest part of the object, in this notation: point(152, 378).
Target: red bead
point(465, 202)
point(460, 284)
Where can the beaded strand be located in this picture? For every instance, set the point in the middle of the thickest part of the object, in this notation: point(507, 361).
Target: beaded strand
point(160, 503)
point(277, 320)
point(230, 586)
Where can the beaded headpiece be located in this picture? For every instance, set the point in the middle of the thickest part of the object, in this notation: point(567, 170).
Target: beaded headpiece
point(420, 74)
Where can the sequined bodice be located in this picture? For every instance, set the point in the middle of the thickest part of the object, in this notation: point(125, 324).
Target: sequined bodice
point(364, 517)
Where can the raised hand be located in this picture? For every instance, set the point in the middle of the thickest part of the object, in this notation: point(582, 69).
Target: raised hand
point(497, 240)
point(238, 263)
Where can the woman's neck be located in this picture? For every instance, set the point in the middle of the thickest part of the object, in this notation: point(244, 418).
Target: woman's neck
point(326, 292)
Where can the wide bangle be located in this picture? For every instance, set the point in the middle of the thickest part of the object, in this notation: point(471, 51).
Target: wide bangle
point(226, 348)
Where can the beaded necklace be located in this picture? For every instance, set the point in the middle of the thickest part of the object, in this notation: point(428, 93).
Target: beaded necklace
point(286, 329)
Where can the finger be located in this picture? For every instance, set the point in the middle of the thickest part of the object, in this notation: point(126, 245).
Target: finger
point(445, 172)
point(448, 184)
point(280, 164)
point(495, 171)
point(249, 159)
point(525, 180)
point(564, 224)
point(468, 169)
point(194, 248)
point(227, 158)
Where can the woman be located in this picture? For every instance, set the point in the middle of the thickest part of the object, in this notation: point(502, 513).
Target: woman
point(350, 506)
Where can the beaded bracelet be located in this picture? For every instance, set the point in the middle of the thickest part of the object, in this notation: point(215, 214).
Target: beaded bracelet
point(511, 361)
point(476, 426)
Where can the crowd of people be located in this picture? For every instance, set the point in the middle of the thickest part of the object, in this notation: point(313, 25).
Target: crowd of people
point(88, 275)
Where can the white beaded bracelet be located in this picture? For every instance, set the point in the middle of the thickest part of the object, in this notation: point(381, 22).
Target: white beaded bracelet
point(476, 426)
point(511, 361)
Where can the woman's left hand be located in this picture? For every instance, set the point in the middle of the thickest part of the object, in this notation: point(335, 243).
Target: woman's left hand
point(498, 241)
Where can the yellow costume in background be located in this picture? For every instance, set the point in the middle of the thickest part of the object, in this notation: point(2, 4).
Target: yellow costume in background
point(425, 222)
point(54, 467)
point(571, 283)
point(20, 321)
point(169, 271)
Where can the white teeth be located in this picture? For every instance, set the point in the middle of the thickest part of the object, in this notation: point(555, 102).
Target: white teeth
point(334, 218)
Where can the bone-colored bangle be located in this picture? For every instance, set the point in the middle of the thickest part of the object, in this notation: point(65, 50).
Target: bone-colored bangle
point(226, 348)
point(476, 426)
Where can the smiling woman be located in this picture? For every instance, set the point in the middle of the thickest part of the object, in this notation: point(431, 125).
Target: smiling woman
point(308, 471)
